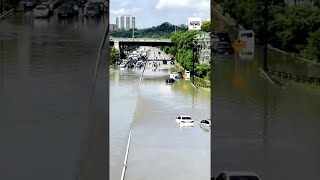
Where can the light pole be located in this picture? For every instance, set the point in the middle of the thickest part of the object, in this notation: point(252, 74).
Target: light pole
point(265, 53)
point(194, 56)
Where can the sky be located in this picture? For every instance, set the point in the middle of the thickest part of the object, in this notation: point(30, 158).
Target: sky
point(150, 13)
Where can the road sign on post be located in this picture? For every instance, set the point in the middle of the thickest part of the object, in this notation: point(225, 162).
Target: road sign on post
point(238, 45)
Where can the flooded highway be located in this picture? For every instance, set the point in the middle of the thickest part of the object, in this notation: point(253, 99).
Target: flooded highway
point(261, 127)
point(160, 149)
point(46, 75)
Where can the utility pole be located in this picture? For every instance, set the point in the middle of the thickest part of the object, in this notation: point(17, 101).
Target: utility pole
point(175, 29)
point(193, 59)
point(265, 53)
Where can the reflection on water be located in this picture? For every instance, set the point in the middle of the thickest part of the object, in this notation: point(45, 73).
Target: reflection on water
point(261, 127)
point(46, 73)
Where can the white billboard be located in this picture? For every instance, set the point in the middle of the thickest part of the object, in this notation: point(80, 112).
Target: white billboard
point(194, 23)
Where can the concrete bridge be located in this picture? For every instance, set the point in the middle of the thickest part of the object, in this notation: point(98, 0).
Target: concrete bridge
point(122, 43)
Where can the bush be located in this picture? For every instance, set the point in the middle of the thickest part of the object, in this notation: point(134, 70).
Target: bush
point(114, 55)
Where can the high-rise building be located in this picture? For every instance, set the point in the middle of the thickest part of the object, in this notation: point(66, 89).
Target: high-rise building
point(113, 27)
point(126, 22)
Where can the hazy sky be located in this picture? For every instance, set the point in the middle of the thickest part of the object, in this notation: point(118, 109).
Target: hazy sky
point(150, 13)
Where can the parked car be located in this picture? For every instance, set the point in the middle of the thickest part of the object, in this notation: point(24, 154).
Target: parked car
point(93, 11)
point(237, 175)
point(184, 121)
point(223, 36)
point(66, 10)
point(223, 48)
point(41, 11)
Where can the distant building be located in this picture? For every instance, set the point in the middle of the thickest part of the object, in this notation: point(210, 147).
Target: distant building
point(204, 47)
point(126, 22)
point(113, 27)
point(298, 2)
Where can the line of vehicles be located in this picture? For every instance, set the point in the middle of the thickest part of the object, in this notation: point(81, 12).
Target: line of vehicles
point(65, 8)
point(222, 42)
point(135, 59)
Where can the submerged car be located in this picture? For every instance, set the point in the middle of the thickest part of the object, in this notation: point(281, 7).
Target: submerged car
point(237, 175)
point(119, 62)
point(41, 11)
point(170, 80)
point(205, 124)
point(66, 10)
point(184, 121)
point(223, 36)
point(93, 11)
point(223, 48)
point(130, 64)
point(139, 64)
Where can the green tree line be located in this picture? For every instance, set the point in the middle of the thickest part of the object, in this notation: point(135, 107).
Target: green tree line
point(161, 31)
point(290, 28)
point(183, 51)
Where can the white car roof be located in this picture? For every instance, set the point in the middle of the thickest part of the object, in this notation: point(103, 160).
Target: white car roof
point(185, 116)
point(240, 173)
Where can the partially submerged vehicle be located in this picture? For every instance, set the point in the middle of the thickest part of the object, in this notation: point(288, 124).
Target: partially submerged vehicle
point(170, 80)
point(205, 124)
point(184, 121)
point(237, 175)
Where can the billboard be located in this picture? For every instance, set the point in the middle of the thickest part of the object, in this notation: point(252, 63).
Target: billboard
point(194, 23)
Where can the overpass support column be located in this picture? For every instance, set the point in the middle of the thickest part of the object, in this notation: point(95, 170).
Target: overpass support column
point(117, 45)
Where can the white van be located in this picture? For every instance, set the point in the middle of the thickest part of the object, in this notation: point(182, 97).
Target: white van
point(187, 73)
point(247, 36)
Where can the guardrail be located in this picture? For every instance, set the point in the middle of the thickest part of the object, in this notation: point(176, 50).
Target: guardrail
point(11, 11)
point(291, 77)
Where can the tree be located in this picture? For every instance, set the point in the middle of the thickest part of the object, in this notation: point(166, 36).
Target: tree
point(202, 69)
point(162, 31)
point(312, 50)
point(114, 55)
point(206, 26)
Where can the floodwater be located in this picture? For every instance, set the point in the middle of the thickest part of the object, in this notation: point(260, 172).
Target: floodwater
point(261, 127)
point(46, 75)
point(159, 148)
